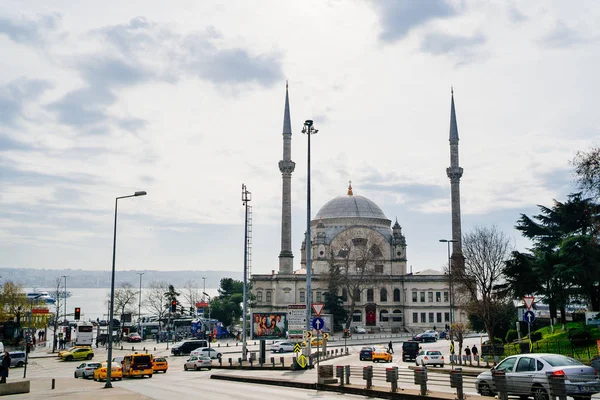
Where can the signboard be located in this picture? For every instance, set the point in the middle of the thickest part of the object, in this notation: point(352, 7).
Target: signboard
point(592, 318)
point(318, 308)
point(301, 360)
point(529, 317)
point(307, 334)
point(39, 310)
point(201, 304)
point(528, 301)
point(318, 323)
point(269, 325)
point(296, 320)
point(297, 348)
point(326, 336)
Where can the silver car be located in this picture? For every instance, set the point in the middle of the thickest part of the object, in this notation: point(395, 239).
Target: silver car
point(526, 375)
point(86, 370)
point(197, 363)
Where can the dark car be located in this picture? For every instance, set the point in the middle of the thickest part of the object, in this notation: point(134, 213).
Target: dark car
point(410, 350)
point(425, 337)
point(366, 353)
point(186, 346)
point(444, 335)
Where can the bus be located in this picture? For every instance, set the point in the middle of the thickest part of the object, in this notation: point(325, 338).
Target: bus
point(84, 334)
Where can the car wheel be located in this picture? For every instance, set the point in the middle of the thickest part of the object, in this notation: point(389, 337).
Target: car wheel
point(75, 375)
point(198, 368)
point(209, 369)
point(485, 389)
point(539, 393)
point(585, 397)
point(281, 350)
point(150, 376)
point(20, 364)
point(69, 358)
point(89, 356)
point(185, 367)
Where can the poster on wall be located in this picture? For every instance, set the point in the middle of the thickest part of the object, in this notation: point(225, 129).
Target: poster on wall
point(592, 318)
point(269, 325)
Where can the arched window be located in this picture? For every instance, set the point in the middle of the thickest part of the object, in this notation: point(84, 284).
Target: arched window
point(369, 294)
point(397, 316)
point(375, 251)
point(383, 295)
point(384, 316)
point(396, 294)
point(259, 296)
point(356, 316)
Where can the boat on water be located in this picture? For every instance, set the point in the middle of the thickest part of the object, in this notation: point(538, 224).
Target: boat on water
point(41, 296)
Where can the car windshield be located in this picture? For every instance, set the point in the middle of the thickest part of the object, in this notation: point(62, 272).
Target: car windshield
point(556, 360)
point(366, 349)
point(434, 353)
point(160, 360)
point(204, 358)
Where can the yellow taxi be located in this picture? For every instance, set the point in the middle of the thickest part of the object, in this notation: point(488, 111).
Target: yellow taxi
point(160, 364)
point(60, 353)
point(380, 353)
point(82, 353)
point(116, 373)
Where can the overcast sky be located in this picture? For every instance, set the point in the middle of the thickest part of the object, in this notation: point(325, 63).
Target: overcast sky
point(185, 99)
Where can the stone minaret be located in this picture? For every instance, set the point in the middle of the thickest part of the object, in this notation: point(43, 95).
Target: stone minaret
point(286, 166)
point(454, 173)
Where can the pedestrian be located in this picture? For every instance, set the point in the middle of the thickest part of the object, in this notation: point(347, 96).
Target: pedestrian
point(4, 367)
point(467, 351)
point(474, 351)
point(390, 348)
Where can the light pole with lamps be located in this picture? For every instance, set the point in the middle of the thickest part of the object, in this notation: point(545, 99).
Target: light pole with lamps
point(450, 283)
point(209, 327)
point(65, 276)
point(246, 198)
point(112, 291)
point(309, 130)
point(140, 303)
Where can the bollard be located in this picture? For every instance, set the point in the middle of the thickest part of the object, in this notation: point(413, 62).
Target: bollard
point(273, 361)
point(339, 373)
point(476, 359)
point(218, 344)
point(144, 349)
point(456, 381)
point(421, 379)
point(282, 362)
point(336, 352)
point(558, 389)
point(499, 378)
point(220, 361)
point(230, 362)
point(53, 383)
point(240, 361)
point(155, 349)
point(347, 371)
point(226, 344)
point(132, 348)
point(368, 376)
point(250, 359)
point(487, 361)
point(121, 347)
point(391, 375)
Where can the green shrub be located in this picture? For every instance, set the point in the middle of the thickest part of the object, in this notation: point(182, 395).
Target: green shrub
point(535, 336)
point(511, 335)
point(580, 334)
point(578, 316)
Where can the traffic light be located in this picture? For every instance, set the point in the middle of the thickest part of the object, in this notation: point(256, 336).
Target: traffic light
point(174, 306)
point(77, 313)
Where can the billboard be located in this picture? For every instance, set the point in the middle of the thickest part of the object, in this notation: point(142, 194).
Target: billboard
point(592, 318)
point(269, 325)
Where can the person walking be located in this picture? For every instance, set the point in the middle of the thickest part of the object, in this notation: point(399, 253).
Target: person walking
point(390, 348)
point(4, 367)
point(475, 353)
point(468, 354)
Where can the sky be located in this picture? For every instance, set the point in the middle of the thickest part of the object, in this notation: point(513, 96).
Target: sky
point(185, 100)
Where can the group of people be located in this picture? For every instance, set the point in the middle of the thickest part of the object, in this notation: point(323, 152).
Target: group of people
point(468, 351)
point(268, 325)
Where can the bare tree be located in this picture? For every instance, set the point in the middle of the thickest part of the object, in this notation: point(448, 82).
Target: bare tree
point(156, 300)
point(356, 264)
point(57, 295)
point(459, 331)
point(476, 286)
point(191, 293)
point(587, 170)
point(125, 298)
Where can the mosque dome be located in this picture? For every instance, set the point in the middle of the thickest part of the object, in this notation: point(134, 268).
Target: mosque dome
point(350, 206)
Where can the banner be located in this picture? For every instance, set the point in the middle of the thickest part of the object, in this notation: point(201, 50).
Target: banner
point(592, 318)
point(269, 325)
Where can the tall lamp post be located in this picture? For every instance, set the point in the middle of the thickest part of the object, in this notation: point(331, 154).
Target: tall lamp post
point(450, 283)
point(65, 276)
point(209, 327)
point(309, 130)
point(140, 303)
point(112, 291)
point(246, 198)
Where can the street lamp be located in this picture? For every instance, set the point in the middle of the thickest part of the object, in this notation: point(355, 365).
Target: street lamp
point(65, 276)
point(309, 130)
point(209, 327)
point(246, 198)
point(112, 291)
point(451, 288)
point(140, 303)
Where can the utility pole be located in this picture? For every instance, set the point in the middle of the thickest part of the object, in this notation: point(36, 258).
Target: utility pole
point(246, 198)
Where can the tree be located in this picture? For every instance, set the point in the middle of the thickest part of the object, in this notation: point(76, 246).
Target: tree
point(171, 296)
point(356, 253)
point(485, 251)
point(459, 331)
point(56, 294)
point(587, 169)
point(156, 300)
point(191, 293)
point(14, 302)
point(227, 307)
point(125, 298)
point(334, 302)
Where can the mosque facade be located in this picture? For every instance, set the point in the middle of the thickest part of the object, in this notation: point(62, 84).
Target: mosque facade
point(352, 239)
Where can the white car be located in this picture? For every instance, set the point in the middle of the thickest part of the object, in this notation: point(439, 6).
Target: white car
point(431, 331)
point(430, 357)
point(206, 351)
point(86, 369)
point(197, 363)
point(360, 329)
point(281, 347)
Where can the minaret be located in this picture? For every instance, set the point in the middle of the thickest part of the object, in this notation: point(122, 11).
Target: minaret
point(286, 166)
point(454, 173)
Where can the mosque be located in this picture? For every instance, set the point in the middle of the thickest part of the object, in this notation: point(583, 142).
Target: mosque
point(354, 234)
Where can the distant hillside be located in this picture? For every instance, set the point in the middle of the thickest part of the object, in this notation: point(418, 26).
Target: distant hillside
point(78, 278)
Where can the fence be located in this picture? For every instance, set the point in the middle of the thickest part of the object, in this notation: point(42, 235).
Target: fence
point(564, 347)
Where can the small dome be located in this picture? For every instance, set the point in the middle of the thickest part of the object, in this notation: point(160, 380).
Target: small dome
point(350, 206)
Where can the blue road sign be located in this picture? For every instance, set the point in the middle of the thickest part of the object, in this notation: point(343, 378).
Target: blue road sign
point(318, 323)
point(529, 317)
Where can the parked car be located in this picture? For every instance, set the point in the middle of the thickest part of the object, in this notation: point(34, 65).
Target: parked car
point(160, 364)
point(526, 375)
point(360, 329)
point(17, 358)
point(116, 372)
point(84, 353)
point(435, 333)
point(186, 346)
point(430, 357)
point(366, 353)
point(281, 347)
point(444, 335)
point(410, 350)
point(197, 363)
point(206, 351)
point(380, 353)
point(425, 337)
point(86, 370)
point(134, 337)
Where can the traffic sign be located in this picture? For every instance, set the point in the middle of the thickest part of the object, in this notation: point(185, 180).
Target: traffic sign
point(326, 336)
point(318, 323)
point(301, 360)
point(318, 308)
point(297, 348)
point(307, 334)
point(529, 317)
point(528, 301)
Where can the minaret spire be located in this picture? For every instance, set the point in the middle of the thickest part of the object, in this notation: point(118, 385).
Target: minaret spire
point(286, 166)
point(455, 172)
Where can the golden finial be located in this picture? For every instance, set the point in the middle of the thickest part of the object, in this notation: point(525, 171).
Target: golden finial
point(350, 188)
point(286, 84)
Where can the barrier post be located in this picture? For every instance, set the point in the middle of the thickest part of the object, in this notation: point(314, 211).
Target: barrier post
point(368, 376)
point(347, 371)
point(558, 389)
point(339, 373)
point(391, 375)
point(421, 379)
point(456, 381)
point(499, 378)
